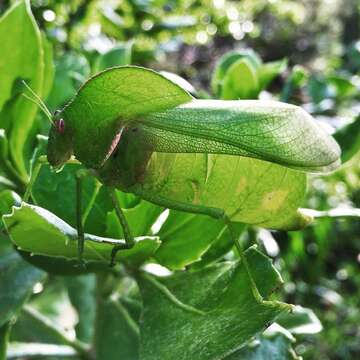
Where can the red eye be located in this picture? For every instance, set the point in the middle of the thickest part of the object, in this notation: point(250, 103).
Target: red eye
point(60, 125)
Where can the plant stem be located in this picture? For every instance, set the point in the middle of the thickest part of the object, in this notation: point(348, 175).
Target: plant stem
point(129, 320)
point(4, 339)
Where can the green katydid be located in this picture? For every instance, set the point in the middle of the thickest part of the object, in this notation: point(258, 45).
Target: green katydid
point(131, 127)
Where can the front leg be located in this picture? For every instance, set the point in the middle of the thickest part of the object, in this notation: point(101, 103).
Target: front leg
point(129, 239)
point(79, 222)
point(80, 214)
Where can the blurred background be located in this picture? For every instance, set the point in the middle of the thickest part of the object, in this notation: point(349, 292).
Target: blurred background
point(312, 48)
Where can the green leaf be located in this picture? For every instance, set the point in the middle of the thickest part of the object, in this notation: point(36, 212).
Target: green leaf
point(240, 81)
point(219, 313)
point(8, 199)
point(296, 79)
point(49, 68)
point(72, 69)
point(344, 87)
point(226, 62)
point(274, 344)
point(17, 279)
point(348, 138)
point(38, 231)
point(269, 71)
point(5, 163)
point(300, 321)
point(179, 231)
point(118, 93)
point(118, 56)
point(140, 218)
point(117, 334)
point(25, 63)
point(220, 246)
point(50, 189)
point(81, 291)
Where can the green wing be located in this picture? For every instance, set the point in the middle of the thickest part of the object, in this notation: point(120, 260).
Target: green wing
point(267, 130)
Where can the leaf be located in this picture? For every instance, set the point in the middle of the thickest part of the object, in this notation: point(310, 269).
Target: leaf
point(228, 60)
point(118, 56)
point(118, 93)
point(117, 334)
point(240, 81)
point(300, 321)
point(348, 138)
point(140, 219)
point(219, 247)
point(181, 230)
point(71, 70)
point(17, 279)
point(50, 189)
point(344, 87)
point(8, 199)
point(274, 344)
point(49, 68)
point(227, 314)
point(269, 71)
point(81, 291)
point(296, 79)
point(25, 63)
point(38, 231)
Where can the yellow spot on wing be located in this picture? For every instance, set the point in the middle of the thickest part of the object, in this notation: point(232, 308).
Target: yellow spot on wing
point(241, 185)
point(273, 201)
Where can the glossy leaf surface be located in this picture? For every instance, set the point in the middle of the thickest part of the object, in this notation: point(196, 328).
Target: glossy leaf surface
point(17, 279)
point(26, 63)
point(223, 294)
point(40, 232)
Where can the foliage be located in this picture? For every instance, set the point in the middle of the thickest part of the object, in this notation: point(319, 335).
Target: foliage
point(182, 291)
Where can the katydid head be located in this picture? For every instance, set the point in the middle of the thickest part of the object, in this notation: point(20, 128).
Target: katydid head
point(60, 144)
point(60, 147)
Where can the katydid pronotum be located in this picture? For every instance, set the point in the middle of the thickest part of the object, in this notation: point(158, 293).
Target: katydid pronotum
point(129, 127)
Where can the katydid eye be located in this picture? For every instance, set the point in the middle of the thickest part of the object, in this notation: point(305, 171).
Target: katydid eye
point(60, 125)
